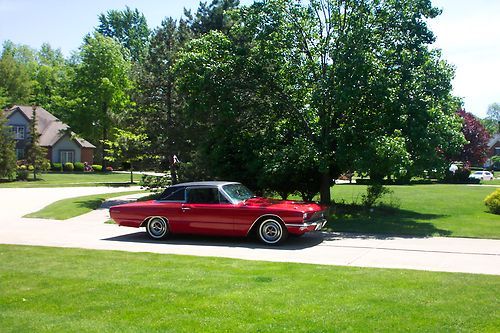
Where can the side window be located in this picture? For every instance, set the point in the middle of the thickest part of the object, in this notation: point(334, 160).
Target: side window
point(208, 195)
point(222, 199)
point(173, 194)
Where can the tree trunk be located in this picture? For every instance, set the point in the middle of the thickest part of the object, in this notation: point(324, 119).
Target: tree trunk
point(103, 147)
point(131, 173)
point(104, 135)
point(173, 170)
point(324, 191)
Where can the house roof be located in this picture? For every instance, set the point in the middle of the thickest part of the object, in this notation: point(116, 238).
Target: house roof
point(494, 140)
point(50, 128)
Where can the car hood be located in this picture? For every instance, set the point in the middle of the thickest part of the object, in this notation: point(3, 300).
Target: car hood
point(284, 204)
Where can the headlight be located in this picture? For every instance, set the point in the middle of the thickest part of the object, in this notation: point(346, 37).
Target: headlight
point(307, 216)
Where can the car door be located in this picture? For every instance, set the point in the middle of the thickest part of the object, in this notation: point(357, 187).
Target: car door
point(169, 206)
point(207, 211)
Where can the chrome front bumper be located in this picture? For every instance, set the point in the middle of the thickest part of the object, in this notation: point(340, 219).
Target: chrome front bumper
point(313, 225)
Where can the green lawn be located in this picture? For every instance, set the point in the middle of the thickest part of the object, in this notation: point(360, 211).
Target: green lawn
point(75, 179)
point(424, 210)
point(75, 290)
point(71, 207)
point(491, 182)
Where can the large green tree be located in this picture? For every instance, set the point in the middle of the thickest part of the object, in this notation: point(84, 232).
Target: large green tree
point(157, 99)
point(36, 155)
point(7, 150)
point(16, 73)
point(129, 27)
point(492, 120)
point(103, 85)
point(213, 16)
point(52, 79)
point(29, 75)
point(127, 147)
point(346, 79)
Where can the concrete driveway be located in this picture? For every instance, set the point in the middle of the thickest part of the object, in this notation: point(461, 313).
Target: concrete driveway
point(89, 231)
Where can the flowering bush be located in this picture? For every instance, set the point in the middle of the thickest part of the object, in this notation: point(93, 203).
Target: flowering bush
point(57, 167)
point(22, 172)
point(492, 201)
point(79, 166)
point(69, 166)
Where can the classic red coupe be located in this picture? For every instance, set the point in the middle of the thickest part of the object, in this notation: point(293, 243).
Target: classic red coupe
point(222, 209)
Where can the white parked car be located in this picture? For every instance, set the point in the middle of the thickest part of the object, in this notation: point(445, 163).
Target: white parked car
point(483, 175)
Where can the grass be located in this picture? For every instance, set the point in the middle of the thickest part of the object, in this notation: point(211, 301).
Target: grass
point(71, 207)
point(491, 182)
point(67, 179)
point(75, 290)
point(422, 210)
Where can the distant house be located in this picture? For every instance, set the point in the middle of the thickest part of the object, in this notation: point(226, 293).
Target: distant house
point(62, 145)
point(494, 146)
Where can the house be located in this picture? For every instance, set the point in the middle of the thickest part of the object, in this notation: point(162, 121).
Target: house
point(494, 146)
point(62, 145)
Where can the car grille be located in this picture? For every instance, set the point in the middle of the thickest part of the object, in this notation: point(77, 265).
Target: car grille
point(317, 216)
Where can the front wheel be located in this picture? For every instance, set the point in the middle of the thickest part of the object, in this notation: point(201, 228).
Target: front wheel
point(157, 228)
point(272, 231)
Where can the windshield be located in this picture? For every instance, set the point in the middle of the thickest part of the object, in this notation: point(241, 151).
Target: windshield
point(237, 192)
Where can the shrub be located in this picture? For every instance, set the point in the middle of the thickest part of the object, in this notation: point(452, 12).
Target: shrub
point(155, 183)
point(57, 167)
point(45, 165)
point(79, 166)
point(461, 176)
point(69, 166)
point(374, 193)
point(492, 201)
point(22, 172)
point(97, 167)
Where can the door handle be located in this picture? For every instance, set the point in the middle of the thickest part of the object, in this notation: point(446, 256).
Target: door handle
point(185, 208)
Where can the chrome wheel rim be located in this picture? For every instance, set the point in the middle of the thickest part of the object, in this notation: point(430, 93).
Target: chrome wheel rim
point(157, 227)
point(270, 231)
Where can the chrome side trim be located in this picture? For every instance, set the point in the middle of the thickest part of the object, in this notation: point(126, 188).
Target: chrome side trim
point(262, 216)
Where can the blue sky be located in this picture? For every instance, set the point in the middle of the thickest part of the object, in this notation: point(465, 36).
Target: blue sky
point(468, 33)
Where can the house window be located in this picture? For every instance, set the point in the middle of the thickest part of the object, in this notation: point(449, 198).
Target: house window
point(19, 132)
point(19, 153)
point(67, 156)
point(497, 151)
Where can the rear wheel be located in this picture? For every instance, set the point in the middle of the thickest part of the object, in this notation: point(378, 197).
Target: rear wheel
point(271, 231)
point(157, 228)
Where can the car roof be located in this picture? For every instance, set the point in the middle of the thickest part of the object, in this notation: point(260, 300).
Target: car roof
point(204, 183)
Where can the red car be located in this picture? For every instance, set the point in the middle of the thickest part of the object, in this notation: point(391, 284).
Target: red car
point(222, 209)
